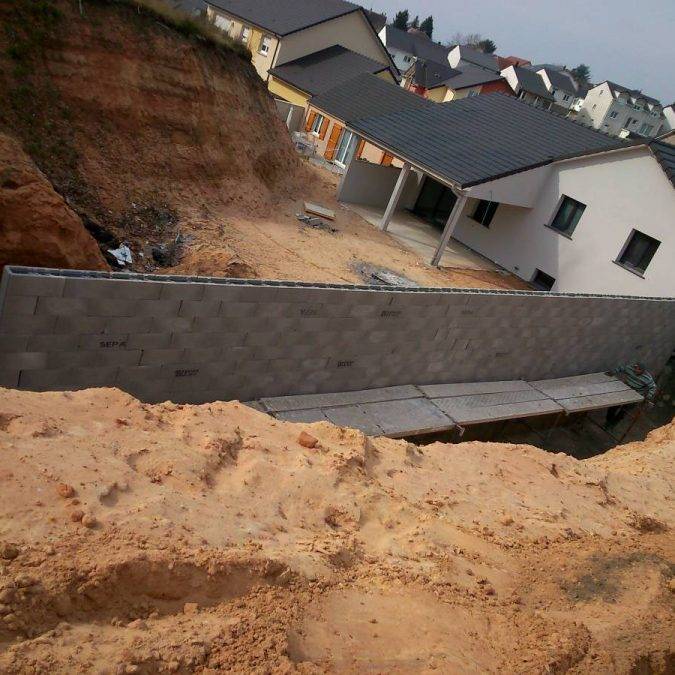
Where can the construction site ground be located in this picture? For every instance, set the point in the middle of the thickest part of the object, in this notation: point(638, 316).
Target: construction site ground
point(142, 539)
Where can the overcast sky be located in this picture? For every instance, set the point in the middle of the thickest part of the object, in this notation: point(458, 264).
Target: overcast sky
point(631, 42)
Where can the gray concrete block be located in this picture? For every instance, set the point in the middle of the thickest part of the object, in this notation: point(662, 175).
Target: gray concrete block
point(16, 343)
point(9, 378)
point(188, 290)
point(112, 289)
point(23, 360)
point(199, 308)
point(239, 309)
point(20, 304)
point(156, 357)
point(173, 324)
point(142, 376)
point(76, 325)
point(93, 359)
point(206, 340)
point(128, 324)
point(60, 379)
point(203, 356)
point(62, 306)
point(35, 285)
point(53, 343)
point(149, 341)
point(18, 324)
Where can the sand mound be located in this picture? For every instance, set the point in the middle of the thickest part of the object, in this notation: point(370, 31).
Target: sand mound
point(140, 538)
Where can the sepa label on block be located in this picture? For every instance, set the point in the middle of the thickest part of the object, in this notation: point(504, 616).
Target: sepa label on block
point(112, 344)
point(186, 372)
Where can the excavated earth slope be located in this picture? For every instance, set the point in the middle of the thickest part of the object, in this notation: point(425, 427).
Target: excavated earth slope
point(141, 539)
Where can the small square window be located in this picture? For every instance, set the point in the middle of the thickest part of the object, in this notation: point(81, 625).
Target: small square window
point(265, 44)
point(484, 212)
point(245, 34)
point(614, 114)
point(638, 251)
point(542, 281)
point(567, 216)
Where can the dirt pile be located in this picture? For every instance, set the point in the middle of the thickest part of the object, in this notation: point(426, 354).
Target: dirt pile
point(139, 538)
point(38, 227)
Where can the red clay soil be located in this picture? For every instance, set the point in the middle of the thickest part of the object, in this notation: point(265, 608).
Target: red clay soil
point(204, 539)
point(37, 226)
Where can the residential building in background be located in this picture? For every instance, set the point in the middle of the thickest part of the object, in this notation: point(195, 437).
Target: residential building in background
point(669, 116)
point(620, 111)
point(281, 31)
point(529, 86)
point(560, 83)
point(405, 47)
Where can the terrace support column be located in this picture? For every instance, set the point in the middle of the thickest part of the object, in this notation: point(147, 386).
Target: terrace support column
point(450, 225)
point(395, 196)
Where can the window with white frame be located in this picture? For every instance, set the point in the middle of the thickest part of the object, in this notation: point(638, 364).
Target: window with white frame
point(344, 147)
point(407, 58)
point(222, 22)
point(646, 129)
point(566, 97)
point(245, 34)
point(614, 114)
point(316, 124)
point(265, 45)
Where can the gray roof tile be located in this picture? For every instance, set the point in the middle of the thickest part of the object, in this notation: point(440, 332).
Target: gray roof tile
point(285, 16)
point(471, 76)
point(665, 155)
point(367, 96)
point(430, 74)
point(416, 44)
point(532, 83)
point(324, 69)
point(481, 138)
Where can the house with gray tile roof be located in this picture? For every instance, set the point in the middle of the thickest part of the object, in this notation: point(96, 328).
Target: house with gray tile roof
point(557, 203)
point(560, 84)
point(529, 86)
point(622, 111)
point(406, 47)
point(280, 31)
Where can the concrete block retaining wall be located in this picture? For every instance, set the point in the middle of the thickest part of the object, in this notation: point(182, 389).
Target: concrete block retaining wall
point(200, 339)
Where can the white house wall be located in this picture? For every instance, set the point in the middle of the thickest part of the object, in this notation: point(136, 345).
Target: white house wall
point(622, 192)
point(519, 189)
point(351, 31)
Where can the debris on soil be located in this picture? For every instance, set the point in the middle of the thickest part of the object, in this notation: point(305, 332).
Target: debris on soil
point(318, 210)
point(381, 276)
point(256, 553)
point(316, 223)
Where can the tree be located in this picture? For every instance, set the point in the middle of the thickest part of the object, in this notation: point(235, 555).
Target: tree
point(582, 73)
point(471, 39)
point(487, 46)
point(415, 23)
point(401, 19)
point(427, 26)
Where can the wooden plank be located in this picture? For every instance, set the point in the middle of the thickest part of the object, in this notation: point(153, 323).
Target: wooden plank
point(573, 390)
point(467, 388)
point(318, 210)
point(305, 401)
point(308, 416)
point(408, 417)
point(495, 413)
point(598, 401)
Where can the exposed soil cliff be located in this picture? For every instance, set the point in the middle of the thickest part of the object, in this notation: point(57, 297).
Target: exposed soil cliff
point(37, 226)
point(143, 539)
point(135, 123)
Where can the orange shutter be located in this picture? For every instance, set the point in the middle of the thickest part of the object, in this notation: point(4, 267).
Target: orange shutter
point(310, 120)
point(332, 141)
point(387, 159)
point(324, 128)
point(359, 149)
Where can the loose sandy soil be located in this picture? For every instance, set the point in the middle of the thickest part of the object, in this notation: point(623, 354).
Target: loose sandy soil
point(139, 538)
